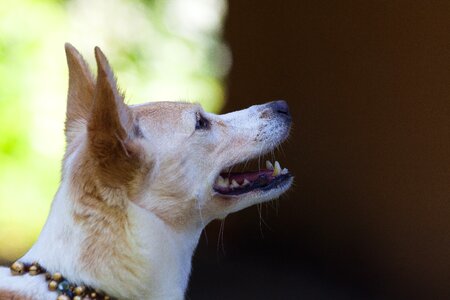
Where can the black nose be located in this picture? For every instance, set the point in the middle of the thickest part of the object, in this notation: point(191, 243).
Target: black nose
point(280, 107)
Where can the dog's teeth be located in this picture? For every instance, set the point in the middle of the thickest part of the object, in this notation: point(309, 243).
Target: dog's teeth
point(222, 182)
point(284, 171)
point(269, 165)
point(277, 169)
point(234, 184)
point(246, 182)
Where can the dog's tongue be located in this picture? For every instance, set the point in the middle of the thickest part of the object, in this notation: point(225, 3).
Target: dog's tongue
point(250, 176)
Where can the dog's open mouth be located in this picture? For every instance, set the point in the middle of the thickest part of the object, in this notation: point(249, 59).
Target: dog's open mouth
point(272, 177)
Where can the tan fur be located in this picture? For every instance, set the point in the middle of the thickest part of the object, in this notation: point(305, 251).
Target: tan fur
point(8, 295)
point(109, 126)
point(107, 171)
point(164, 115)
point(137, 186)
point(80, 95)
point(222, 124)
point(109, 166)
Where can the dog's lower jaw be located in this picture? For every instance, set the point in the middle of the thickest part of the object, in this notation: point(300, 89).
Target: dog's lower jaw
point(157, 266)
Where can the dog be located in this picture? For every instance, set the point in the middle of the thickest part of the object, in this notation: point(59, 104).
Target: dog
point(139, 184)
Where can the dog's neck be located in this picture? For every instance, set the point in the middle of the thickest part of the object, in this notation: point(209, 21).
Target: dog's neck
point(148, 260)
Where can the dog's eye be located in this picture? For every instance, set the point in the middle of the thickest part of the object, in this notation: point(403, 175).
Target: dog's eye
point(202, 122)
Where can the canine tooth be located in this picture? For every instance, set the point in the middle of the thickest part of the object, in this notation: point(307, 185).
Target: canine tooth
point(246, 182)
point(269, 165)
point(284, 171)
point(234, 184)
point(277, 169)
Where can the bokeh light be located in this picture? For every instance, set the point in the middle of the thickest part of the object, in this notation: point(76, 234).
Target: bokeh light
point(160, 50)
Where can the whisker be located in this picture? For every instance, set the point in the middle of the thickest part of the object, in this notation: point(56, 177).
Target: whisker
point(259, 207)
point(264, 222)
point(220, 237)
point(201, 216)
point(205, 234)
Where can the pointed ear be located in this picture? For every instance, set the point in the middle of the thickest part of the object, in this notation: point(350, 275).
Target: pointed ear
point(81, 92)
point(109, 129)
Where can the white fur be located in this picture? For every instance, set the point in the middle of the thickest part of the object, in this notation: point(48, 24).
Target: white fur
point(166, 252)
point(29, 286)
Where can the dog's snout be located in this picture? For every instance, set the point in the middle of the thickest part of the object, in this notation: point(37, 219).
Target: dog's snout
point(280, 107)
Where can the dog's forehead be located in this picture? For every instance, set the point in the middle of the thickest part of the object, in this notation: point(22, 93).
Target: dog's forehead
point(163, 109)
point(167, 117)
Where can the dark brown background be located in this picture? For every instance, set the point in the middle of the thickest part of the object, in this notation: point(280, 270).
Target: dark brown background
point(368, 83)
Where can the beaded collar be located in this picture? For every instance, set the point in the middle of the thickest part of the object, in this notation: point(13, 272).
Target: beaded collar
point(57, 283)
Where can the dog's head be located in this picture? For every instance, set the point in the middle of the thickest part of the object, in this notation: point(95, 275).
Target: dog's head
point(170, 158)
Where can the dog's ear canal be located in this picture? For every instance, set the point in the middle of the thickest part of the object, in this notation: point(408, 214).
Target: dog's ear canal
point(110, 127)
point(80, 95)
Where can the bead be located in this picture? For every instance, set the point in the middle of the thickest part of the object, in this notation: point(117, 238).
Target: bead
point(106, 298)
point(52, 285)
point(57, 276)
point(63, 286)
point(93, 295)
point(77, 298)
point(35, 263)
point(17, 268)
point(34, 270)
point(69, 294)
point(79, 290)
point(63, 297)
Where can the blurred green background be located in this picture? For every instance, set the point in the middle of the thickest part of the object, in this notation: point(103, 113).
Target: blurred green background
point(160, 50)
